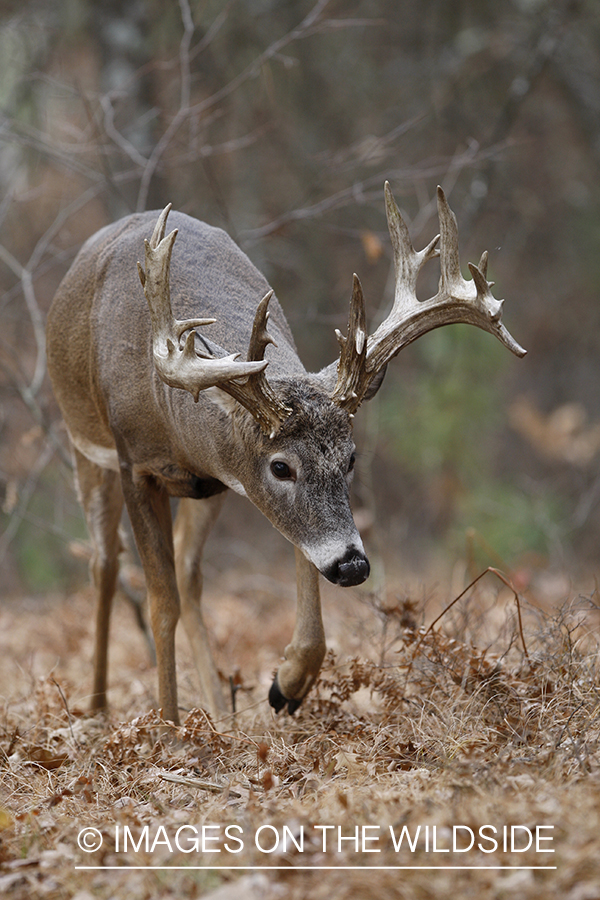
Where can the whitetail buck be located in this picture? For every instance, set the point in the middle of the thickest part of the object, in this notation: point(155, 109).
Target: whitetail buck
point(155, 409)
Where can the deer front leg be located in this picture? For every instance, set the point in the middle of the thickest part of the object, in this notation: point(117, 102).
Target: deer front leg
point(150, 514)
point(193, 522)
point(304, 655)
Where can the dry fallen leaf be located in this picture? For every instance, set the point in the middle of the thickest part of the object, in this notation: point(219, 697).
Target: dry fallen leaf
point(45, 758)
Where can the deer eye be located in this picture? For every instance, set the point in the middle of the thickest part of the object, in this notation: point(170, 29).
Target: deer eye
point(352, 461)
point(281, 470)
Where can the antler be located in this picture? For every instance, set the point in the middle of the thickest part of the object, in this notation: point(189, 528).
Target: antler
point(457, 300)
point(186, 367)
point(256, 394)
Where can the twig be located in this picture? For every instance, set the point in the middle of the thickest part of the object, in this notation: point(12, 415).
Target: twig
point(199, 783)
point(37, 413)
point(66, 706)
point(503, 578)
point(224, 734)
point(371, 188)
point(26, 278)
point(111, 130)
point(26, 494)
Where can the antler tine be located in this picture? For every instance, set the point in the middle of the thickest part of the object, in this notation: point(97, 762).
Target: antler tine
point(457, 300)
point(407, 262)
point(486, 311)
point(452, 284)
point(160, 227)
point(260, 337)
point(449, 256)
point(483, 263)
point(180, 367)
point(256, 394)
point(353, 350)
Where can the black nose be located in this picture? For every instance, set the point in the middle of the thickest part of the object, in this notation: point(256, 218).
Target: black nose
point(353, 569)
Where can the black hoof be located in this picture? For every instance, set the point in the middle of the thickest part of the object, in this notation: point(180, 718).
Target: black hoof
point(278, 701)
point(293, 706)
point(276, 698)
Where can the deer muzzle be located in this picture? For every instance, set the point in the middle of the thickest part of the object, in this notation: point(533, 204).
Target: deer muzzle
point(351, 570)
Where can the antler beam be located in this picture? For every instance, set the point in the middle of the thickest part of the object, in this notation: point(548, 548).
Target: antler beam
point(457, 300)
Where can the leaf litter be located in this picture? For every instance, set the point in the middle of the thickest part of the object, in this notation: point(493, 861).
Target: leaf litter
point(409, 727)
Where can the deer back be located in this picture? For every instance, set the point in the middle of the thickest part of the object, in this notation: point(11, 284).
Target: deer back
point(100, 339)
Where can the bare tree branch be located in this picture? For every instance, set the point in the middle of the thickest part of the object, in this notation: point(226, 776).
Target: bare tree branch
point(370, 189)
point(310, 25)
point(109, 125)
point(25, 496)
point(182, 113)
point(25, 276)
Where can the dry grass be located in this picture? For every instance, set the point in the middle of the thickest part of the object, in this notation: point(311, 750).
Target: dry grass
point(407, 727)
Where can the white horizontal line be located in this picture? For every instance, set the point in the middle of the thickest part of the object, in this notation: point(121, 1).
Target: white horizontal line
point(318, 868)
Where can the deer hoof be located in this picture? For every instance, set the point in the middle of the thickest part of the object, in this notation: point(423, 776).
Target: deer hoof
point(278, 701)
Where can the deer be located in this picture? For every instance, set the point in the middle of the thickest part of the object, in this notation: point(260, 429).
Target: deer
point(190, 385)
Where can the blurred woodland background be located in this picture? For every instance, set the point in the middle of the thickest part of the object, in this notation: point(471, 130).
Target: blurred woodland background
point(280, 121)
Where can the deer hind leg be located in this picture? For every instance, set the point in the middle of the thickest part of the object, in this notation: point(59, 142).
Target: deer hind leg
point(102, 500)
point(304, 655)
point(194, 520)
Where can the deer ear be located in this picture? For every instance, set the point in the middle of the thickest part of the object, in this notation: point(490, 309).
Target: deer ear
point(221, 399)
point(376, 383)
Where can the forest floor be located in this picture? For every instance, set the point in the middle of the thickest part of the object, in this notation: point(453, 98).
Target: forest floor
point(428, 762)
